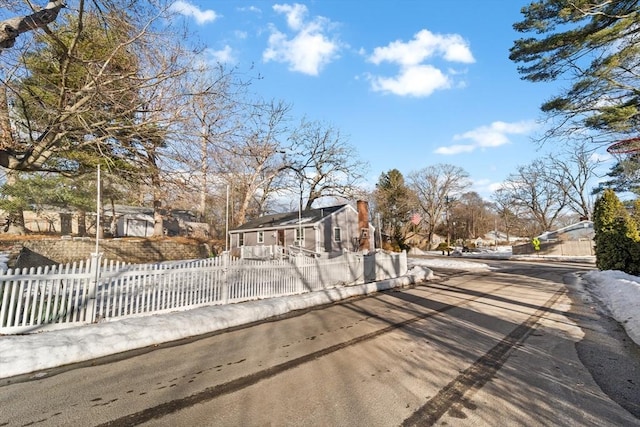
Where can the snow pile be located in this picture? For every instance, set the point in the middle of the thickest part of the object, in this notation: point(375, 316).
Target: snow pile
point(620, 293)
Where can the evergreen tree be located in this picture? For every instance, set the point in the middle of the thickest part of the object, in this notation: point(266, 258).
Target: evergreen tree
point(79, 94)
point(624, 176)
point(394, 200)
point(594, 45)
point(617, 242)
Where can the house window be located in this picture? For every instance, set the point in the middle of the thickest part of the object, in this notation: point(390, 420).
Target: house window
point(240, 239)
point(337, 234)
point(300, 235)
point(260, 236)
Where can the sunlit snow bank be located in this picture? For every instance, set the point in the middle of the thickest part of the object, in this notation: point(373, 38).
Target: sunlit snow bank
point(620, 293)
point(448, 262)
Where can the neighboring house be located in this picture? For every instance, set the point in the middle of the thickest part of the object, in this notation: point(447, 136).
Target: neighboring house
point(61, 221)
point(496, 237)
point(133, 221)
point(322, 230)
point(582, 230)
point(134, 225)
point(130, 221)
point(572, 240)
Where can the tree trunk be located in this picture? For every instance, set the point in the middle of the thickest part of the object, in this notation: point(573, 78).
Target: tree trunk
point(6, 136)
point(158, 223)
point(113, 226)
point(204, 170)
point(82, 223)
point(11, 28)
point(14, 221)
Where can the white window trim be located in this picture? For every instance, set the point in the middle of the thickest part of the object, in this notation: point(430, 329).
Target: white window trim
point(339, 230)
point(260, 238)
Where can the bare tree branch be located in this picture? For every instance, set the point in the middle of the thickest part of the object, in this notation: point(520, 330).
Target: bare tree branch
point(11, 28)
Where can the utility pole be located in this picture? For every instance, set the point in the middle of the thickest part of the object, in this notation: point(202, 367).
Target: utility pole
point(446, 210)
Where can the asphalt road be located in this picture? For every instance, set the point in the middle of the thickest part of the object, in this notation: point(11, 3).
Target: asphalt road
point(524, 345)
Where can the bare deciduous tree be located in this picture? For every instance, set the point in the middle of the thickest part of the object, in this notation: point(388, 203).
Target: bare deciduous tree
point(210, 118)
point(572, 174)
point(11, 28)
point(510, 214)
point(471, 216)
point(323, 164)
point(253, 162)
point(542, 200)
point(435, 186)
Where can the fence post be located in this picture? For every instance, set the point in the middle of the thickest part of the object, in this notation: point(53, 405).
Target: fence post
point(94, 279)
point(403, 264)
point(225, 278)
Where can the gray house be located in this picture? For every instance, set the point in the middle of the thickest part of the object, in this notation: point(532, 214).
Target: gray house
point(319, 231)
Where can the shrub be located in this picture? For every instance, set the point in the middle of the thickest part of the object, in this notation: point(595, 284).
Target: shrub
point(617, 241)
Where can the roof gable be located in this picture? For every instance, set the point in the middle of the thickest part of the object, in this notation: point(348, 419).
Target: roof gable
point(290, 219)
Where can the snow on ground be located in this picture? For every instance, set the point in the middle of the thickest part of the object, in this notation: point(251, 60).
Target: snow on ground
point(23, 354)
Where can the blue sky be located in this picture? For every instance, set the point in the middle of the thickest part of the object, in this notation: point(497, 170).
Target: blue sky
point(410, 83)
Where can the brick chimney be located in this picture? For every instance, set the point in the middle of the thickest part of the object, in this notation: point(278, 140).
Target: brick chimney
point(363, 225)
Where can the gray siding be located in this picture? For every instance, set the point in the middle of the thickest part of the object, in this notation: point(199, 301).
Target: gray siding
point(317, 237)
point(347, 221)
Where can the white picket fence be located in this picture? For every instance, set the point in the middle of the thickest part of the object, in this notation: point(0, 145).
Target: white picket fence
point(55, 297)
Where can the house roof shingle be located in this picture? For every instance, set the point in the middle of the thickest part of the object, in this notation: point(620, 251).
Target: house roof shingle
point(289, 219)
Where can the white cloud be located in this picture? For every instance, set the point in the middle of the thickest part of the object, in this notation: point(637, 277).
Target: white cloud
point(495, 186)
point(295, 14)
point(485, 187)
point(187, 9)
point(309, 48)
point(600, 157)
point(418, 80)
point(415, 77)
point(252, 9)
point(423, 46)
point(494, 135)
point(223, 56)
point(455, 149)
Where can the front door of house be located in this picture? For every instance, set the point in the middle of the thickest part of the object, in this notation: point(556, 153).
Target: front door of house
point(281, 237)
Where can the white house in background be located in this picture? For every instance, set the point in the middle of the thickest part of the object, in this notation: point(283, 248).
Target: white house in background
point(490, 239)
point(582, 230)
point(572, 240)
point(135, 225)
point(318, 231)
point(136, 221)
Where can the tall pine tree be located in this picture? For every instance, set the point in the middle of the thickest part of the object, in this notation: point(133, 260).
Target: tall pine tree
point(394, 203)
point(595, 46)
